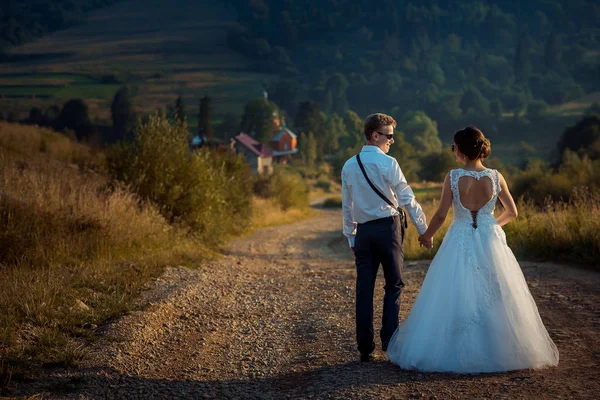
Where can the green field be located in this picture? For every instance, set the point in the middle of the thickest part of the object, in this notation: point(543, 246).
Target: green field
point(58, 86)
point(185, 55)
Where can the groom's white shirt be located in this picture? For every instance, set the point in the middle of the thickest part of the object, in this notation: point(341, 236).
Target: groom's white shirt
point(361, 204)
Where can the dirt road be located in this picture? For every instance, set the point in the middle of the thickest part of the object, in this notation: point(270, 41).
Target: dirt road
point(274, 318)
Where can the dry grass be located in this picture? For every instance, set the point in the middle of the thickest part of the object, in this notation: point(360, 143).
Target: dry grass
point(28, 143)
point(73, 251)
point(561, 231)
point(567, 231)
point(268, 212)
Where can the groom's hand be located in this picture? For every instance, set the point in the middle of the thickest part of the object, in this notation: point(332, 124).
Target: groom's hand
point(426, 242)
point(352, 250)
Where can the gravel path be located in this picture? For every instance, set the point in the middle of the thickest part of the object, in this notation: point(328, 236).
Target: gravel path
point(274, 318)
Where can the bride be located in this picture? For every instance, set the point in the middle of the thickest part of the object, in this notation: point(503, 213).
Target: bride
point(474, 312)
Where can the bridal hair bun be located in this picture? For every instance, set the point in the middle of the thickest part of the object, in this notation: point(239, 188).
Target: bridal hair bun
point(472, 143)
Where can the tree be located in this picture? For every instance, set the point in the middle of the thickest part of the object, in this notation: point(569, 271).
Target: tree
point(435, 166)
point(335, 90)
point(308, 149)
point(423, 131)
point(310, 119)
point(122, 113)
point(474, 102)
point(229, 127)
point(52, 113)
point(496, 108)
point(74, 116)
point(552, 52)
point(12, 116)
point(583, 138)
point(514, 101)
point(353, 122)
point(259, 118)
point(536, 108)
point(205, 128)
point(285, 93)
point(478, 66)
point(522, 60)
point(405, 154)
point(334, 131)
point(179, 112)
point(36, 116)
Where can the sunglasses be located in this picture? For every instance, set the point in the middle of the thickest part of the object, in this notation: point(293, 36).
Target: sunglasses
point(389, 136)
point(453, 147)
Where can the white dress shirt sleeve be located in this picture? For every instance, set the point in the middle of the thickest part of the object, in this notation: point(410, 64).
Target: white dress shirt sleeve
point(406, 197)
point(347, 207)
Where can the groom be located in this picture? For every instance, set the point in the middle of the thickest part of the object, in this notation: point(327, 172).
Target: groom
point(375, 229)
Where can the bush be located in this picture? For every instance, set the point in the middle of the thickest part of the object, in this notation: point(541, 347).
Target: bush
point(566, 231)
point(536, 108)
point(67, 239)
point(332, 202)
point(539, 182)
point(435, 166)
point(323, 184)
point(205, 191)
point(288, 189)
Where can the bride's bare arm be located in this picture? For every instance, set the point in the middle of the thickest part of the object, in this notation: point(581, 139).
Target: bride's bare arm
point(440, 215)
point(510, 209)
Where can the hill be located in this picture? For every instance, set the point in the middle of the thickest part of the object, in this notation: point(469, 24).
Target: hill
point(163, 49)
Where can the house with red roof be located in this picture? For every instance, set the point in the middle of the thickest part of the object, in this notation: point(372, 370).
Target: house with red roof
point(284, 144)
point(258, 155)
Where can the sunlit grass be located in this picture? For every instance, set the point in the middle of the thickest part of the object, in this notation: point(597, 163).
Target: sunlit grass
point(268, 212)
point(560, 231)
point(73, 250)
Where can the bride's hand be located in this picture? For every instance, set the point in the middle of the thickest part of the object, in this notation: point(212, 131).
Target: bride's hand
point(427, 242)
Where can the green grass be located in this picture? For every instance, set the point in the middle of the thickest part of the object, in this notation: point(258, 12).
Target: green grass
point(88, 91)
point(427, 193)
point(75, 78)
point(78, 86)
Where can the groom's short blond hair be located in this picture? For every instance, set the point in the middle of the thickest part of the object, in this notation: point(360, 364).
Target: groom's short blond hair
point(375, 122)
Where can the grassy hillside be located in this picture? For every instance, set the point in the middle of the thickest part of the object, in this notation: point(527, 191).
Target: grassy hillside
point(73, 250)
point(164, 49)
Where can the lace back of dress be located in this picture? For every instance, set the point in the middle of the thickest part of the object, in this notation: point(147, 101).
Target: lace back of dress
point(462, 213)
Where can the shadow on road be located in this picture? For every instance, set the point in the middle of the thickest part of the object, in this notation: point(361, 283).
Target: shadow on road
point(324, 381)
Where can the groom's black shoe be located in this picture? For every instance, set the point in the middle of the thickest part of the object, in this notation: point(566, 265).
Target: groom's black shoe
point(366, 357)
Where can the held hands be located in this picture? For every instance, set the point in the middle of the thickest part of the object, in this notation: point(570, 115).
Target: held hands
point(425, 241)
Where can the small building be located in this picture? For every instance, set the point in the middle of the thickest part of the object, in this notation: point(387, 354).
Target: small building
point(202, 141)
point(257, 155)
point(284, 144)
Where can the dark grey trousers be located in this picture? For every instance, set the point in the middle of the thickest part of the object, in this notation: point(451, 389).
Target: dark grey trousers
point(378, 242)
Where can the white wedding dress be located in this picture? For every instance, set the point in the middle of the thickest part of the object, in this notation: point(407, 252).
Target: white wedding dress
point(474, 312)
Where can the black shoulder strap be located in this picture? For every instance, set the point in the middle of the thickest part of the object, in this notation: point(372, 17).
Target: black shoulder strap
point(360, 164)
point(400, 210)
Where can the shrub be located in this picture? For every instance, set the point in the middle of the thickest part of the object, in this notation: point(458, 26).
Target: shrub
point(66, 239)
point(539, 182)
point(285, 187)
point(333, 202)
point(205, 191)
point(562, 230)
point(323, 184)
point(290, 190)
point(537, 108)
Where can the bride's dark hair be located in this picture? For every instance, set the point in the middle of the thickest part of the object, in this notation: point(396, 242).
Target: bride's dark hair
point(472, 143)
